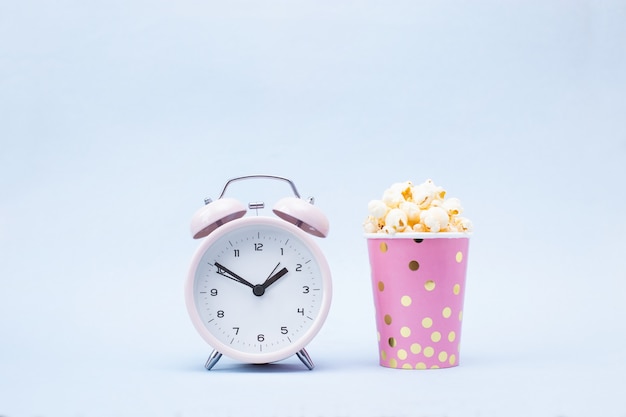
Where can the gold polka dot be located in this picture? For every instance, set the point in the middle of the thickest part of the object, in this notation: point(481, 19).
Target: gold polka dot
point(381, 286)
point(420, 365)
point(406, 301)
point(416, 348)
point(383, 247)
point(406, 366)
point(383, 355)
point(434, 367)
point(405, 331)
point(451, 336)
point(443, 356)
point(461, 315)
point(456, 289)
point(387, 319)
point(447, 312)
point(393, 363)
point(414, 265)
point(392, 341)
point(402, 354)
point(429, 352)
point(378, 336)
point(435, 336)
point(427, 322)
point(459, 256)
point(429, 285)
point(452, 359)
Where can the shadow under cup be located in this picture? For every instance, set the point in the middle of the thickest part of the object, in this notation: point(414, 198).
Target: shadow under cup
point(418, 282)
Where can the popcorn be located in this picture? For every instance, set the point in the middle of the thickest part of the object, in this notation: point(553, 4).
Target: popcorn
point(435, 219)
point(405, 208)
point(412, 211)
point(377, 209)
point(395, 221)
point(453, 206)
point(392, 198)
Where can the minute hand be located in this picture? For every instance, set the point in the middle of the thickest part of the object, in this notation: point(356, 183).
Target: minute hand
point(274, 278)
point(222, 270)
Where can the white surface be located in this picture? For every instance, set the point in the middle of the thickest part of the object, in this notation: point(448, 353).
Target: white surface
point(118, 117)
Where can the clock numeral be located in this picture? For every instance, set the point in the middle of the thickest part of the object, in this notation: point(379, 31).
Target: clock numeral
point(284, 330)
point(305, 289)
point(301, 311)
point(260, 337)
point(213, 292)
point(298, 267)
point(236, 253)
point(220, 314)
point(236, 329)
point(258, 247)
point(282, 251)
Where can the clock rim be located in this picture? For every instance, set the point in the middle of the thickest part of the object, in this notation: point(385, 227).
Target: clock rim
point(261, 357)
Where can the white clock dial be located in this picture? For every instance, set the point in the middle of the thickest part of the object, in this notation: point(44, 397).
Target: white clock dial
point(259, 289)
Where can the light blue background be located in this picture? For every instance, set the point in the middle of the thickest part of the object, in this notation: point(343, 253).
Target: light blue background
point(117, 118)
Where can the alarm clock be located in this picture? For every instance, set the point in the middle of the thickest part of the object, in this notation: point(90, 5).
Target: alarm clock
point(259, 288)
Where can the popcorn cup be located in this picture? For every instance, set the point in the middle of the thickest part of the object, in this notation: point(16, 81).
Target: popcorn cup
point(418, 282)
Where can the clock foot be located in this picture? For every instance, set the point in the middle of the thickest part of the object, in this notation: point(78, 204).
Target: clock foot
point(305, 358)
point(213, 359)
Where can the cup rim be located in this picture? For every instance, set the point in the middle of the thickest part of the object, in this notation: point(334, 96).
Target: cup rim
point(419, 235)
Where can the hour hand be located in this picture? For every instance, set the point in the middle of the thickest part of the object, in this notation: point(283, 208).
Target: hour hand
point(222, 270)
point(272, 279)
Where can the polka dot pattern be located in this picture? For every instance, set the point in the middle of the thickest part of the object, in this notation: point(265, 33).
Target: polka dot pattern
point(429, 352)
point(418, 294)
point(406, 300)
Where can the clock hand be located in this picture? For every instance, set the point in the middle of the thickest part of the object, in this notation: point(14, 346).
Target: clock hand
point(274, 277)
point(222, 270)
point(273, 270)
point(259, 289)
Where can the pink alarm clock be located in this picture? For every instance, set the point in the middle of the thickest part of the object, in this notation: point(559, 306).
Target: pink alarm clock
point(259, 288)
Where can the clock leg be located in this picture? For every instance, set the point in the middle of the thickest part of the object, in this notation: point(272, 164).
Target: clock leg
point(305, 358)
point(213, 359)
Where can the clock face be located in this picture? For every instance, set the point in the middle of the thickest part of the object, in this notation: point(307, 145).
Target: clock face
point(258, 289)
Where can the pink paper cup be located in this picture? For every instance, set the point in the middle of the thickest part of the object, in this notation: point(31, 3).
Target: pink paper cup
point(418, 282)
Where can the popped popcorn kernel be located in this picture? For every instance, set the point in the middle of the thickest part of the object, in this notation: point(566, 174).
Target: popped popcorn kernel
point(405, 207)
point(392, 198)
point(395, 221)
point(412, 211)
point(464, 224)
point(377, 209)
point(453, 206)
point(370, 226)
point(435, 219)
